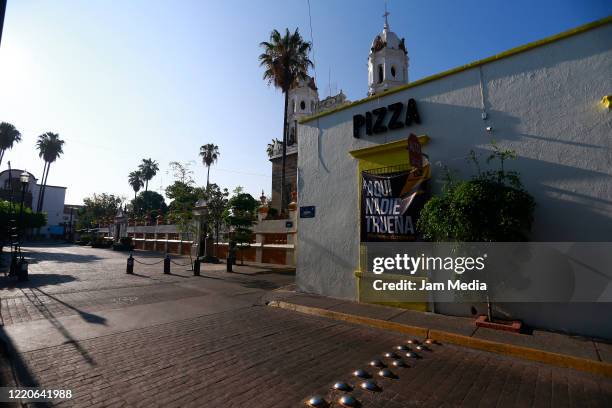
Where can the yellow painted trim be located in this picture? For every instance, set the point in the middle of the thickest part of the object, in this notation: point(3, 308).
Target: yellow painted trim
point(527, 353)
point(386, 147)
point(493, 58)
point(349, 318)
point(376, 156)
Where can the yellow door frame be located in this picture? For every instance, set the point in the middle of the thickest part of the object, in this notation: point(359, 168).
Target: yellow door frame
point(374, 157)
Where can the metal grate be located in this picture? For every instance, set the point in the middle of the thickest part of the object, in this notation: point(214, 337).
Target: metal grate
point(398, 168)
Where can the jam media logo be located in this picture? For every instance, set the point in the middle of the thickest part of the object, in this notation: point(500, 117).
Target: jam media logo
point(405, 263)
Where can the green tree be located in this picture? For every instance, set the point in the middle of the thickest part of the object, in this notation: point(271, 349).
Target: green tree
point(9, 135)
point(182, 171)
point(209, 153)
point(9, 211)
point(135, 181)
point(50, 148)
point(217, 199)
point(285, 60)
point(148, 169)
point(240, 216)
point(149, 202)
point(493, 206)
point(183, 191)
point(97, 208)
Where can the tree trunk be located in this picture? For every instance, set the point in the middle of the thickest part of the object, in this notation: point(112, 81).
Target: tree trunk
point(282, 189)
point(40, 191)
point(207, 177)
point(1, 155)
point(146, 185)
point(44, 189)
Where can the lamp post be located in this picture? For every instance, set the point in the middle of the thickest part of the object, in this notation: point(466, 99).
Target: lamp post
point(22, 273)
point(201, 210)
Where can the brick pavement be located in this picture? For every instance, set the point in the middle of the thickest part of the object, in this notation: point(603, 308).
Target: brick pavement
point(244, 355)
point(263, 357)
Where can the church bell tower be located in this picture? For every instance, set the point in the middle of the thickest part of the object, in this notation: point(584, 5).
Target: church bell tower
point(387, 62)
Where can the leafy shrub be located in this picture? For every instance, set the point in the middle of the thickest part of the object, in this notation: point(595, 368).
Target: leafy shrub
point(100, 242)
point(84, 239)
point(491, 207)
point(124, 244)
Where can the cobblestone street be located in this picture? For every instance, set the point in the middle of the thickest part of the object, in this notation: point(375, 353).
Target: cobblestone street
point(177, 340)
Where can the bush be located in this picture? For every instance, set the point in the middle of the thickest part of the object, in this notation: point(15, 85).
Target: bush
point(10, 211)
point(491, 207)
point(84, 239)
point(101, 242)
point(124, 244)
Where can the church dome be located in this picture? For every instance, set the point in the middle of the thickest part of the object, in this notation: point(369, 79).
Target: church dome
point(387, 39)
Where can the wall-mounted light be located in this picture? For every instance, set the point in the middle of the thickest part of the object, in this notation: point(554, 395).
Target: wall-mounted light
point(607, 101)
point(489, 128)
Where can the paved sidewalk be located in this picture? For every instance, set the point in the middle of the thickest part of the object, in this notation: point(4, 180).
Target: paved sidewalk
point(573, 346)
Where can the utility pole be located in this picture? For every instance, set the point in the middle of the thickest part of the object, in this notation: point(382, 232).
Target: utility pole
point(2, 11)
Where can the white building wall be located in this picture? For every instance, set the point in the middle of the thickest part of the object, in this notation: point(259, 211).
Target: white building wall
point(543, 103)
point(53, 205)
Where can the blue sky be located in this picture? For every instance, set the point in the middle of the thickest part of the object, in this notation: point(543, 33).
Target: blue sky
point(124, 80)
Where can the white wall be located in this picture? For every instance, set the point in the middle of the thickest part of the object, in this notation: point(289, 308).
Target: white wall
point(543, 103)
point(53, 205)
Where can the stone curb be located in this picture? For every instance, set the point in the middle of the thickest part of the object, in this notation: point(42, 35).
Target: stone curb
point(560, 360)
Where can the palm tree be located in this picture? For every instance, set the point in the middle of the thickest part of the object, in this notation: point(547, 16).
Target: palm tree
point(148, 169)
point(50, 148)
point(135, 180)
point(285, 59)
point(210, 154)
point(8, 136)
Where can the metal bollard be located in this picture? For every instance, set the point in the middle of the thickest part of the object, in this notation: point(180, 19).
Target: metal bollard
point(229, 263)
point(14, 265)
point(196, 267)
point(167, 265)
point(129, 269)
point(23, 271)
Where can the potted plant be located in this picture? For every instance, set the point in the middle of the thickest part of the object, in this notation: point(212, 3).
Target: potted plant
point(492, 206)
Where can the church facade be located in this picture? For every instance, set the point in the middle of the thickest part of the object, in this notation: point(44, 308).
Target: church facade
point(303, 102)
point(549, 101)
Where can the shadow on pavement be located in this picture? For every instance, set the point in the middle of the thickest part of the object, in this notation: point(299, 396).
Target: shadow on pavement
point(88, 317)
point(36, 279)
point(42, 308)
point(14, 372)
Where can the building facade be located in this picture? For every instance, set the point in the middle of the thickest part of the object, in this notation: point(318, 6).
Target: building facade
point(53, 203)
point(548, 101)
point(303, 102)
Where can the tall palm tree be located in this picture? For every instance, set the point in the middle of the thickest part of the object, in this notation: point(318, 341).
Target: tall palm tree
point(50, 148)
point(209, 153)
point(148, 169)
point(8, 136)
point(135, 180)
point(285, 59)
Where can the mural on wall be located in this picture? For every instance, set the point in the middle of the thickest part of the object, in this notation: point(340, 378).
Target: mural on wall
point(391, 203)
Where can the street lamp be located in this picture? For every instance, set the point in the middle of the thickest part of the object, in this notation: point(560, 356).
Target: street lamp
point(201, 209)
point(22, 273)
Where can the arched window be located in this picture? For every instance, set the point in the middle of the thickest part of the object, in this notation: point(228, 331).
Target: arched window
point(302, 105)
point(312, 106)
point(392, 71)
point(294, 106)
point(380, 73)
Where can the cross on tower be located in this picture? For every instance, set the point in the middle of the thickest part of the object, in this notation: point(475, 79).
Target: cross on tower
point(385, 16)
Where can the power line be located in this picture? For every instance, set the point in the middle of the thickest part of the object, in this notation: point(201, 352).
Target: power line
point(314, 63)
